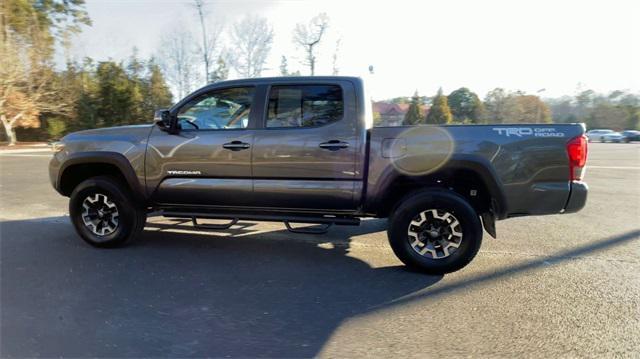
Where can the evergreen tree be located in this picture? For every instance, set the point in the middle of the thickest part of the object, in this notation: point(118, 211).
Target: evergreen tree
point(284, 71)
point(465, 105)
point(439, 112)
point(117, 97)
point(135, 75)
point(413, 115)
point(157, 94)
point(633, 121)
point(221, 72)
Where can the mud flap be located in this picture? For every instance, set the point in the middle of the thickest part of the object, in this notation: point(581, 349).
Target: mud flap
point(489, 223)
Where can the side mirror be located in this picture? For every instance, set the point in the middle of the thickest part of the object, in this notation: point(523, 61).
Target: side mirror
point(162, 118)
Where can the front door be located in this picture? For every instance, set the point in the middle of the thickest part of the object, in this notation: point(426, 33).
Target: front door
point(305, 153)
point(209, 161)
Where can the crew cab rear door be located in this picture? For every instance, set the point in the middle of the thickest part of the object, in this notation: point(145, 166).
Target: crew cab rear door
point(209, 161)
point(306, 148)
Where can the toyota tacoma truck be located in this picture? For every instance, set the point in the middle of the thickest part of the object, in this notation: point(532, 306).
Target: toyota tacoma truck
point(304, 150)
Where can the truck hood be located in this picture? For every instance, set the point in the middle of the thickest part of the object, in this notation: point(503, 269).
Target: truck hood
point(111, 131)
point(114, 139)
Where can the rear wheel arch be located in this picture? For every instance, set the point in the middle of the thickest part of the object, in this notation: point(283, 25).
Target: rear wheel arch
point(459, 175)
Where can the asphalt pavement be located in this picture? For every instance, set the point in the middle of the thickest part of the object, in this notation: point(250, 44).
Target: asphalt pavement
point(550, 286)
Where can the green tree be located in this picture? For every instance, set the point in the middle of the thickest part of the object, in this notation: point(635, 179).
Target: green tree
point(135, 70)
point(413, 115)
point(284, 71)
point(584, 101)
point(562, 109)
point(116, 95)
point(56, 127)
point(439, 113)
point(86, 109)
point(221, 71)
point(465, 105)
point(608, 116)
point(157, 94)
point(633, 120)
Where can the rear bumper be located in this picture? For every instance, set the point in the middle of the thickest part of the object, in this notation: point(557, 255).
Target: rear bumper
point(577, 197)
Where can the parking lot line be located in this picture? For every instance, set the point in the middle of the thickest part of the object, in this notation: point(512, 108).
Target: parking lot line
point(615, 167)
point(22, 155)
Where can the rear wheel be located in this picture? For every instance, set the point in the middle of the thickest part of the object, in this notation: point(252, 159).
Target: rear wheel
point(103, 212)
point(435, 232)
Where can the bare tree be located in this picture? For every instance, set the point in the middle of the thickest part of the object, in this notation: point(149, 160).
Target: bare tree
point(28, 85)
point(309, 36)
point(177, 61)
point(210, 41)
point(251, 40)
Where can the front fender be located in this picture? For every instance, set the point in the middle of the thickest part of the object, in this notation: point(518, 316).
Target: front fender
point(58, 167)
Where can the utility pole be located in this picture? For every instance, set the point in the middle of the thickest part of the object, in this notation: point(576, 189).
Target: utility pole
point(199, 4)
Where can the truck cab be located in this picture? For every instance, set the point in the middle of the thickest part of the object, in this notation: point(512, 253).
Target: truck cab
point(288, 143)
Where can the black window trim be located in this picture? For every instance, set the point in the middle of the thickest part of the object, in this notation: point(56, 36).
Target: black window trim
point(262, 125)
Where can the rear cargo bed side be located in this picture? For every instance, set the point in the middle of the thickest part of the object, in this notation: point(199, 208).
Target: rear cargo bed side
point(529, 162)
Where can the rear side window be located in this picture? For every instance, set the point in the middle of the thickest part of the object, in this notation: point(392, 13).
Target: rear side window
point(304, 105)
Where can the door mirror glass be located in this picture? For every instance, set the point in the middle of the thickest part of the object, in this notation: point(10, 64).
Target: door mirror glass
point(162, 118)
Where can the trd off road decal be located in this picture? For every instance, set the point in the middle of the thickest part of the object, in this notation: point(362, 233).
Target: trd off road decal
point(528, 131)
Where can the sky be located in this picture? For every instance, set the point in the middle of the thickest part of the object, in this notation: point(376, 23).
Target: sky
point(550, 48)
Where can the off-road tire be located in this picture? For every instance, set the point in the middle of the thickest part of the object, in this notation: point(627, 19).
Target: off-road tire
point(131, 217)
point(443, 200)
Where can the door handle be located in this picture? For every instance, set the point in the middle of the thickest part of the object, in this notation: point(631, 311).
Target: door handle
point(236, 145)
point(334, 145)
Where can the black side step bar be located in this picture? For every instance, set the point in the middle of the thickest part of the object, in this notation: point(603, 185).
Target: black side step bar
point(326, 221)
point(324, 227)
point(213, 226)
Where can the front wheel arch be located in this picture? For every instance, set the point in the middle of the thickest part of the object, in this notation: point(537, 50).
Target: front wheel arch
point(81, 166)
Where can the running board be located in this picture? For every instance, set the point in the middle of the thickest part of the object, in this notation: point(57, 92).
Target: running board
point(340, 221)
point(213, 226)
point(324, 227)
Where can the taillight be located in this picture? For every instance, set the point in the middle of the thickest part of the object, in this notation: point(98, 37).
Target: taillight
point(577, 150)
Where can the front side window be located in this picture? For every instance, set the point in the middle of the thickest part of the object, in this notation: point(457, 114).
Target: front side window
point(218, 110)
point(304, 105)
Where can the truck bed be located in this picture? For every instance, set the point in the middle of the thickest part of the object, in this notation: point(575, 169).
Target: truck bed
point(529, 162)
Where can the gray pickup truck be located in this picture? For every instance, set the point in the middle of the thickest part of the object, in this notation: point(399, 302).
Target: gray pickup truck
point(304, 150)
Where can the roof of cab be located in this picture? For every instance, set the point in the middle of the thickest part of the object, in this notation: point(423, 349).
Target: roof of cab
point(266, 80)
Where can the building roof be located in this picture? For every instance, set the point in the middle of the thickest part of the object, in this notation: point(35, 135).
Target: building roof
point(394, 109)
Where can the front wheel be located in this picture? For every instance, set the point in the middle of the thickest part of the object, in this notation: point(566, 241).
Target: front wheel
point(103, 213)
point(435, 231)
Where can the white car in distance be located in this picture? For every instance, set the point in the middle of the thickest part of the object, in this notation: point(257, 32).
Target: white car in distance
point(598, 135)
